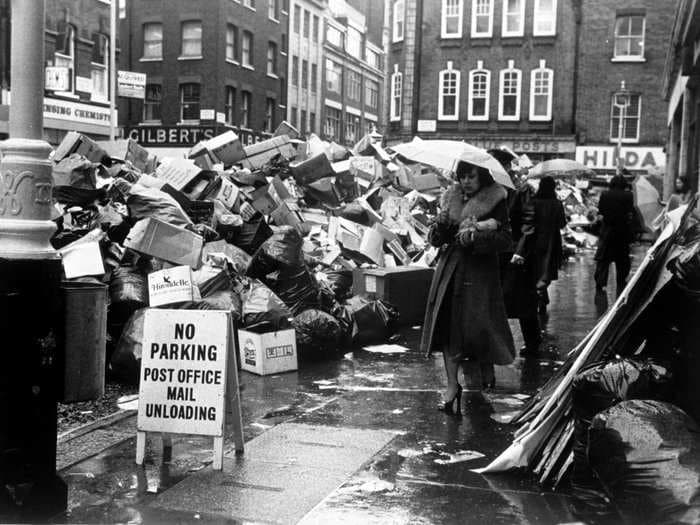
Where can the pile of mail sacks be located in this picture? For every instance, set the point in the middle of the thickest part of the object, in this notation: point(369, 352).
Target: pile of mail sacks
point(271, 232)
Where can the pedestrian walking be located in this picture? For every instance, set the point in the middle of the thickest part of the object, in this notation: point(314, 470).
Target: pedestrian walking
point(548, 221)
point(682, 193)
point(465, 314)
point(518, 270)
point(616, 213)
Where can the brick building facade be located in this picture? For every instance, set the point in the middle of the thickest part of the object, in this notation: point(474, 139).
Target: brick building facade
point(353, 71)
point(622, 41)
point(76, 42)
point(489, 72)
point(210, 66)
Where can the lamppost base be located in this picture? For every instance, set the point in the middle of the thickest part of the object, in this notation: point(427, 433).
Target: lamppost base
point(26, 239)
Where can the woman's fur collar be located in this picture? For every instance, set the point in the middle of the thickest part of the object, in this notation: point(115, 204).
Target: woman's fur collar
point(479, 205)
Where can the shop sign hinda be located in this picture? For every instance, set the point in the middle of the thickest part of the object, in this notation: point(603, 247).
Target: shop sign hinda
point(635, 157)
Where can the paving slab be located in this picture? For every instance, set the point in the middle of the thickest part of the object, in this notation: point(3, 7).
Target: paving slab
point(283, 474)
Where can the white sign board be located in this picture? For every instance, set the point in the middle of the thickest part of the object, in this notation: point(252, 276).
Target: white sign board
point(57, 79)
point(221, 117)
point(183, 372)
point(207, 114)
point(131, 84)
point(171, 285)
point(635, 157)
point(76, 112)
point(427, 126)
point(83, 84)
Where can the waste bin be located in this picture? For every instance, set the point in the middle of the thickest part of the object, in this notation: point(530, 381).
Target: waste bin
point(85, 340)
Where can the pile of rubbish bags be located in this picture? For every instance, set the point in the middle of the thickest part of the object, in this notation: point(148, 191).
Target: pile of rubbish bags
point(271, 232)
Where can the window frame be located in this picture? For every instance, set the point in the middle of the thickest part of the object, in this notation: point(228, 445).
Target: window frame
point(474, 21)
point(315, 30)
point(538, 13)
point(331, 114)
point(296, 23)
point(68, 58)
point(233, 29)
point(151, 103)
point(304, 74)
point(353, 127)
point(480, 70)
point(313, 81)
point(371, 94)
point(306, 29)
point(629, 37)
point(442, 80)
point(501, 94)
point(337, 74)
point(398, 31)
point(246, 104)
point(144, 56)
point(295, 71)
point(183, 24)
point(270, 104)
point(100, 69)
point(550, 95)
point(271, 59)
point(181, 96)
point(395, 95)
point(247, 63)
point(273, 9)
point(230, 105)
point(613, 138)
point(504, 22)
point(354, 85)
point(443, 19)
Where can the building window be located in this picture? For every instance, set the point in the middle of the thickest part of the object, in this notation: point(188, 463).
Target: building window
point(297, 19)
point(334, 36)
point(151, 104)
point(513, 17)
point(354, 87)
point(230, 104)
point(545, 21)
point(479, 93)
point(399, 16)
point(307, 24)
point(352, 128)
point(269, 114)
point(314, 78)
point(482, 18)
point(231, 42)
point(304, 74)
point(448, 93)
point(153, 41)
point(191, 39)
point(451, 24)
point(629, 37)
point(354, 47)
point(271, 58)
point(249, 3)
point(247, 49)
point(372, 94)
point(99, 67)
point(293, 116)
point(315, 31)
point(541, 87)
point(627, 118)
point(189, 102)
point(332, 127)
point(302, 124)
point(273, 9)
point(372, 58)
point(66, 56)
point(295, 71)
point(246, 102)
point(334, 76)
point(312, 122)
point(509, 94)
point(396, 88)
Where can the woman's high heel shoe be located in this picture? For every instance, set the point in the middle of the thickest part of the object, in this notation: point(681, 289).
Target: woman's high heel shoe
point(448, 406)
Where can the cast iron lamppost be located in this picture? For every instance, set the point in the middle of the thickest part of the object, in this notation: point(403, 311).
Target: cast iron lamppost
point(621, 102)
point(31, 314)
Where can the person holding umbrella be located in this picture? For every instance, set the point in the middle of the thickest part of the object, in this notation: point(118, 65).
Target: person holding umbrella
point(465, 314)
point(617, 214)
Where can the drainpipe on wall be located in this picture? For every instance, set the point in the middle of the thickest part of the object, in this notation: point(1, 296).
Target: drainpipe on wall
point(576, 5)
point(417, 67)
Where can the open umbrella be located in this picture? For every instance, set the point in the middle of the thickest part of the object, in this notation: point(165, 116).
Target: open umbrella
point(445, 154)
point(560, 168)
point(646, 200)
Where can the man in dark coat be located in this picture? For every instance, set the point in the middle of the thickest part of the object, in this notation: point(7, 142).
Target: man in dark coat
point(616, 208)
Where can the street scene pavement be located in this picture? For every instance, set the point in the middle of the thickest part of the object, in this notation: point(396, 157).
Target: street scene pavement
point(357, 440)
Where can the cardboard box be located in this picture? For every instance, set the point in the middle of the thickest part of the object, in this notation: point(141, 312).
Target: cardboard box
point(285, 128)
point(310, 170)
point(262, 201)
point(177, 172)
point(127, 150)
point(172, 285)
point(224, 191)
point(405, 287)
point(259, 154)
point(165, 241)
point(82, 258)
point(227, 148)
point(74, 142)
point(268, 353)
point(288, 213)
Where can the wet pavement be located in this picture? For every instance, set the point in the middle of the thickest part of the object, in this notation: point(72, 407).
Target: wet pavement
point(384, 454)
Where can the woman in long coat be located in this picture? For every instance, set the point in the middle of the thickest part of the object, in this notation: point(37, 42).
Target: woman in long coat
point(465, 315)
point(549, 220)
